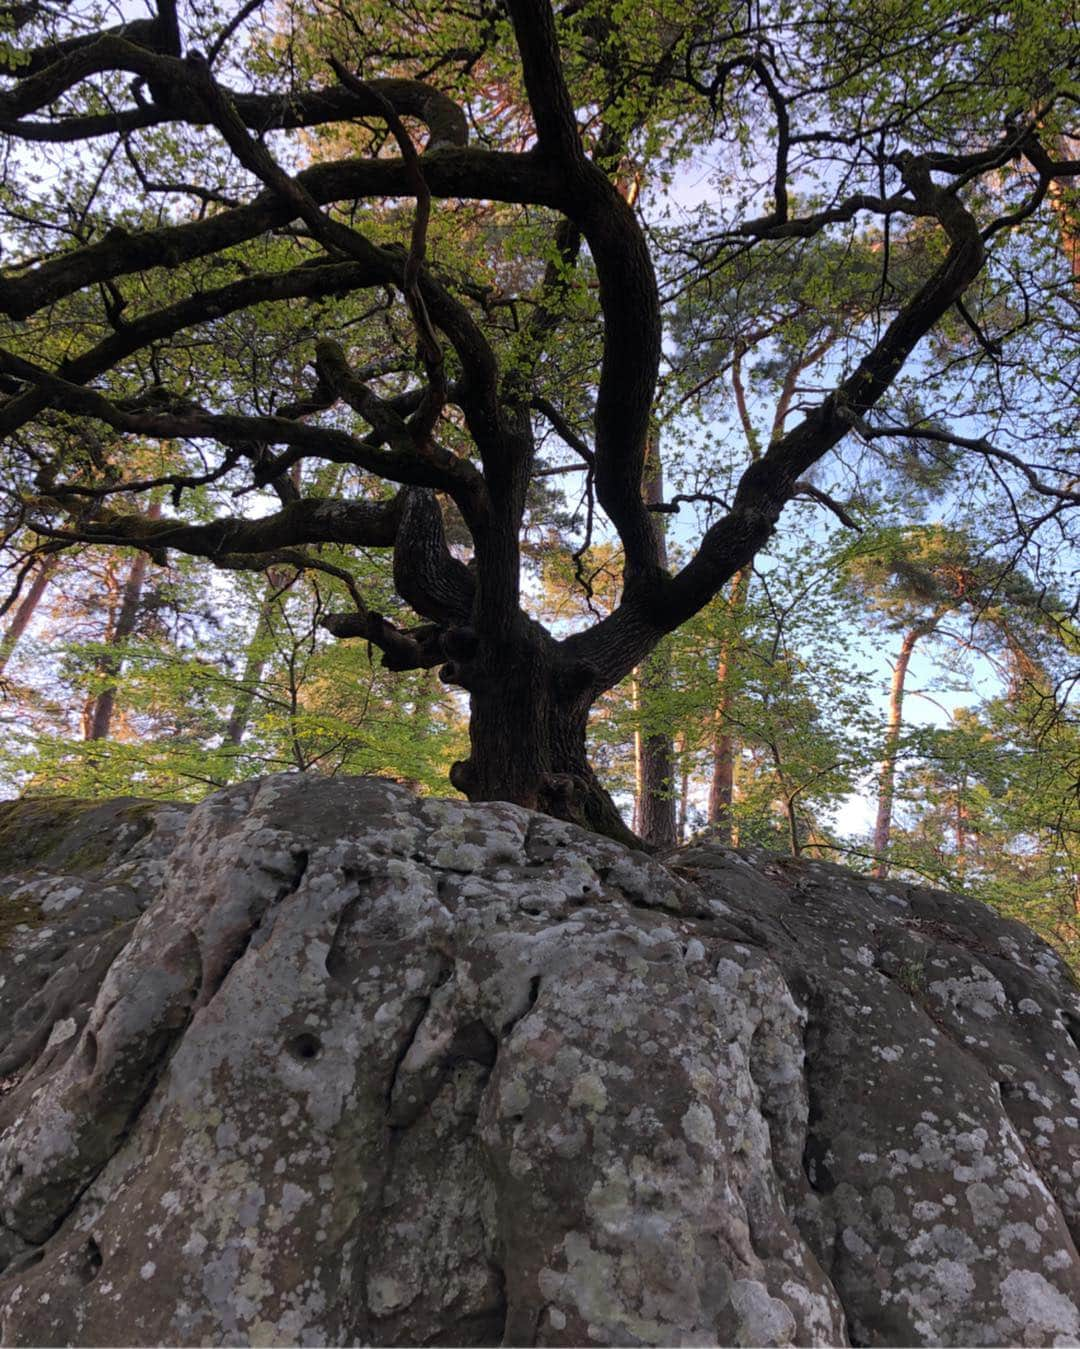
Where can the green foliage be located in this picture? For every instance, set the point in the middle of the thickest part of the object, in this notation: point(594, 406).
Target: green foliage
point(310, 703)
point(991, 807)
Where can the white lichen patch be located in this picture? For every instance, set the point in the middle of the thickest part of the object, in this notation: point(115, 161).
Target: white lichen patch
point(763, 1319)
point(979, 993)
point(1034, 1303)
point(589, 1091)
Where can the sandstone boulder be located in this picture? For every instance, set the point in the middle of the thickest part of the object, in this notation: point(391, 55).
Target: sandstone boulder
point(318, 1062)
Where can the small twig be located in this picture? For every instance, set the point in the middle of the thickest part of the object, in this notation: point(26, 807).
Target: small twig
point(671, 507)
point(993, 349)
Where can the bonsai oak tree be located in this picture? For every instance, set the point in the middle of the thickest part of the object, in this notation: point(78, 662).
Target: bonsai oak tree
point(168, 176)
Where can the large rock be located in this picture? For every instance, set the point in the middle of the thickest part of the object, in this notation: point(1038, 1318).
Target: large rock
point(344, 1066)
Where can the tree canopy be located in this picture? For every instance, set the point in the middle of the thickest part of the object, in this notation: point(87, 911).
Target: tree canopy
point(290, 286)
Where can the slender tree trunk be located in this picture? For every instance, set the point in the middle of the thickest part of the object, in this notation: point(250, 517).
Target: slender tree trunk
point(961, 829)
point(420, 716)
point(25, 609)
point(724, 747)
point(254, 662)
point(639, 766)
point(793, 826)
point(684, 784)
point(1065, 202)
point(887, 774)
point(655, 768)
point(101, 713)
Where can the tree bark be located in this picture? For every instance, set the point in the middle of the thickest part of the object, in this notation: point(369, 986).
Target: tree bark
point(724, 747)
point(25, 609)
point(100, 714)
point(887, 775)
point(654, 749)
point(529, 711)
point(254, 662)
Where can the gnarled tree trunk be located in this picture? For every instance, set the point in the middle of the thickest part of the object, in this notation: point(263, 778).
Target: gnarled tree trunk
point(529, 712)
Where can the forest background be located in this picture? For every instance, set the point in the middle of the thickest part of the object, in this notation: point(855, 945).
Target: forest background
point(892, 683)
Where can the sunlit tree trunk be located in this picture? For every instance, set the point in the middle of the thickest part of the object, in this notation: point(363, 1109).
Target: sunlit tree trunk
point(724, 745)
point(962, 829)
point(26, 608)
point(887, 773)
point(1065, 201)
point(684, 784)
point(654, 749)
point(99, 716)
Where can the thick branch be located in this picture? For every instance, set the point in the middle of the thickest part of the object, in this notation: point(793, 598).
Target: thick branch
point(169, 78)
point(477, 174)
point(309, 281)
point(404, 465)
point(426, 574)
point(357, 523)
point(628, 292)
point(615, 645)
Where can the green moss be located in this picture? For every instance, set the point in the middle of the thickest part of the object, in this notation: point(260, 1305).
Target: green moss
point(13, 913)
point(911, 976)
point(66, 833)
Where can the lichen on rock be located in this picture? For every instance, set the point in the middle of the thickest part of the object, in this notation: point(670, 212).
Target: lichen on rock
point(343, 1066)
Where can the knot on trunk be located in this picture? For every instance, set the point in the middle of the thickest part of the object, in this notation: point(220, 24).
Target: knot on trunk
point(463, 775)
point(575, 677)
point(562, 794)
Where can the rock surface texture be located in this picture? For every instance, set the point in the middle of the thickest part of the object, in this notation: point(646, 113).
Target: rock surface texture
point(318, 1063)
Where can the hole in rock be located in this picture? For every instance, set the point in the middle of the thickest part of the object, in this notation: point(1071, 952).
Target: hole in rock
point(304, 1046)
point(474, 1043)
point(90, 1262)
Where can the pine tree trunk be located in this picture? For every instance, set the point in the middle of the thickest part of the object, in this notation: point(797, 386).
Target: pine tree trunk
point(962, 830)
point(684, 785)
point(887, 775)
point(639, 766)
point(254, 663)
point(724, 747)
point(656, 805)
point(104, 705)
point(25, 609)
point(1065, 203)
